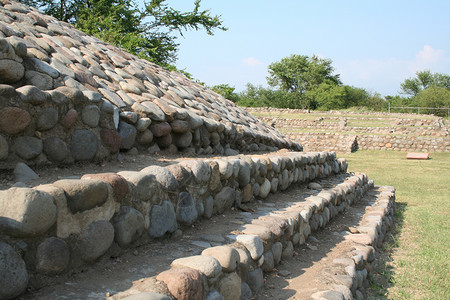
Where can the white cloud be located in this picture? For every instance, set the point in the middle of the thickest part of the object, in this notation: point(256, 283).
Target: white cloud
point(385, 75)
point(251, 61)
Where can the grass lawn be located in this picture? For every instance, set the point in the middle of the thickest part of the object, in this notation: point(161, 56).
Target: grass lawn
point(416, 264)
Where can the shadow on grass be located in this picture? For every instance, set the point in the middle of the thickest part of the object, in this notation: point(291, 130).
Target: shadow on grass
point(382, 276)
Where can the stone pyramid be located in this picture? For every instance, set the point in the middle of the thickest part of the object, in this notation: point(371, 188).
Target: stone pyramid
point(66, 96)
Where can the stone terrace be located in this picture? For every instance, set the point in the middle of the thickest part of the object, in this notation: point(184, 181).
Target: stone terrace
point(348, 131)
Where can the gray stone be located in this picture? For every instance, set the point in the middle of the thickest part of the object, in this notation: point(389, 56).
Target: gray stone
point(255, 280)
point(163, 176)
point(143, 123)
point(128, 226)
point(33, 95)
point(200, 169)
point(95, 240)
point(13, 273)
point(128, 133)
point(215, 295)
point(277, 250)
point(264, 189)
point(246, 291)
point(26, 212)
point(230, 286)
point(180, 126)
point(4, 148)
point(55, 149)
point(23, 173)
point(327, 295)
point(153, 111)
point(288, 250)
point(207, 265)
point(209, 207)
point(145, 187)
point(186, 209)
point(224, 199)
point(147, 296)
point(40, 80)
point(253, 243)
point(268, 263)
point(83, 194)
point(43, 67)
point(11, 71)
point(153, 149)
point(162, 219)
point(91, 115)
point(183, 140)
point(227, 256)
point(92, 96)
point(244, 173)
point(145, 137)
point(47, 119)
point(52, 256)
point(84, 144)
point(160, 129)
point(28, 147)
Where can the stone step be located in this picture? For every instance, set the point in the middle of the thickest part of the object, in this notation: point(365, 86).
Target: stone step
point(335, 262)
point(225, 256)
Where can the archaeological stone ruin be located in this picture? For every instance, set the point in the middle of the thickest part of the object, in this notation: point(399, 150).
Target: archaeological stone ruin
point(67, 98)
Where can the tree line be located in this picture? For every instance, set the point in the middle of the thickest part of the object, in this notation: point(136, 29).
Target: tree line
point(304, 82)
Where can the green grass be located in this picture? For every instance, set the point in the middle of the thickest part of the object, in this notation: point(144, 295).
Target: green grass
point(418, 261)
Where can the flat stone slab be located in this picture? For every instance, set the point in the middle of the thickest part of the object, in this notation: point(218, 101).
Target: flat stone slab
point(413, 155)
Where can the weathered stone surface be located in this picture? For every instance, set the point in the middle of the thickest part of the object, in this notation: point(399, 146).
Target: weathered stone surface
point(277, 250)
point(11, 71)
point(183, 283)
point(163, 176)
point(162, 219)
point(39, 80)
point(84, 144)
point(28, 147)
point(200, 169)
point(160, 129)
point(180, 126)
point(47, 119)
point(228, 257)
point(33, 95)
point(327, 295)
point(83, 194)
point(253, 243)
point(26, 212)
point(70, 118)
point(4, 148)
point(23, 173)
point(264, 189)
point(244, 173)
point(55, 149)
point(230, 286)
point(183, 140)
point(224, 199)
point(14, 120)
point(13, 273)
point(186, 209)
point(255, 280)
point(91, 115)
point(269, 262)
point(246, 291)
point(95, 240)
point(128, 133)
point(128, 226)
point(117, 182)
point(205, 264)
point(111, 139)
point(147, 296)
point(52, 256)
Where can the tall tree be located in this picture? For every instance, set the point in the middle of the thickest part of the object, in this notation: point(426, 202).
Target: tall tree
point(150, 33)
point(424, 80)
point(300, 73)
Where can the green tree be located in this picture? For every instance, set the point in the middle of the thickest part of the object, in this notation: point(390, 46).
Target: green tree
point(424, 80)
point(436, 97)
point(227, 91)
point(150, 33)
point(299, 74)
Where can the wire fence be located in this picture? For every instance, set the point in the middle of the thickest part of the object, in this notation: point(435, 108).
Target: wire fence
point(424, 109)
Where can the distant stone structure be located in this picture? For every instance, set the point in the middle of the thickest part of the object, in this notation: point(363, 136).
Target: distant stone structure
point(330, 132)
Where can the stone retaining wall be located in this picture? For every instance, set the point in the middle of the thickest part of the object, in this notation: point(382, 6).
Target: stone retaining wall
point(341, 143)
point(57, 227)
point(66, 96)
point(347, 276)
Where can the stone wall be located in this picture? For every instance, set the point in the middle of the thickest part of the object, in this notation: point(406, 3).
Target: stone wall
point(329, 132)
point(72, 222)
point(66, 96)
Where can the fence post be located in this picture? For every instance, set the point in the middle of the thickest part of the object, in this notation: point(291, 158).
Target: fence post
point(389, 109)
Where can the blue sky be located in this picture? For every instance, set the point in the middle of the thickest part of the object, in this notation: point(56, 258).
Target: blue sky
point(373, 44)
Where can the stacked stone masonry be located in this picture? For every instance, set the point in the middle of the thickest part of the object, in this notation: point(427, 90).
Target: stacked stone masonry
point(51, 229)
point(66, 96)
point(332, 133)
